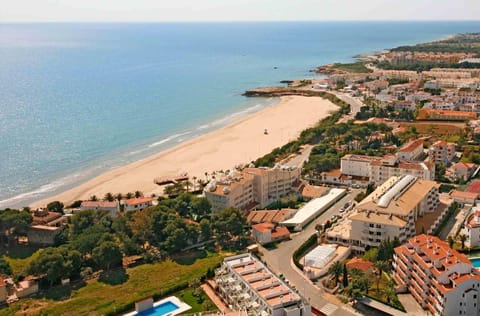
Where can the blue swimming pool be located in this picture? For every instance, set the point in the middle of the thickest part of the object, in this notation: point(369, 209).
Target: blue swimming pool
point(160, 310)
point(475, 262)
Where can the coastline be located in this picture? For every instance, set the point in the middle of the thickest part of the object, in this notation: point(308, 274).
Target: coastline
point(239, 142)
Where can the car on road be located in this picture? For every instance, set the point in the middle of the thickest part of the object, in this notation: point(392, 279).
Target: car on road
point(347, 206)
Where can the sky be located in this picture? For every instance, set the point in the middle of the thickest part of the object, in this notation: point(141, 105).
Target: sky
point(236, 10)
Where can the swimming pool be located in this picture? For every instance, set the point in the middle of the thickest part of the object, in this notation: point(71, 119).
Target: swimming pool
point(160, 310)
point(168, 306)
point(475, 262)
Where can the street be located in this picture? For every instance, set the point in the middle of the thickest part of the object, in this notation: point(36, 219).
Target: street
point(279, 261)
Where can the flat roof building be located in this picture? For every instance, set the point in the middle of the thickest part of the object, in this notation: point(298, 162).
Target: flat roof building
point(245, 283)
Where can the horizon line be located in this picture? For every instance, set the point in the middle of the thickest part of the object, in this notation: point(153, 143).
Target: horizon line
point(228, 21)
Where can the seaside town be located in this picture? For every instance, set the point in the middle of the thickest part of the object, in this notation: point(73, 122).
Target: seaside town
point(372, 211)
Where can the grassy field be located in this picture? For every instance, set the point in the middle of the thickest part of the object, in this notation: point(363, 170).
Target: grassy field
point(358, 67)
point(19, 258)
point(436, 128)
point(107, 297)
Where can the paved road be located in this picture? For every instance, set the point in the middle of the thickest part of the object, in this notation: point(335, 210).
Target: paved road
point(279, 261)
point(355, 104)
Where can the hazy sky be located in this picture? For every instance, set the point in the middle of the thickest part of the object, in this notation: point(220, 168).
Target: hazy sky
point(237, 10)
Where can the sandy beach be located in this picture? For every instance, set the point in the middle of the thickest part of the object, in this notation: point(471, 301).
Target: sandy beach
point(238, 143)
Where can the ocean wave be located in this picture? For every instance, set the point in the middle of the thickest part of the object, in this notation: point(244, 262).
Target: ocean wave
point(227, 119)
point(41, 191)
point(168, 139)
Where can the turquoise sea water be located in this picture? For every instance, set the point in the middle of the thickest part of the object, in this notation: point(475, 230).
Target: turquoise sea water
point(79, 99)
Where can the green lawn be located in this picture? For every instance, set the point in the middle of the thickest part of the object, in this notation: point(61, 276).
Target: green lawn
point(198, 303)
point(100, 298)
point(21, 258)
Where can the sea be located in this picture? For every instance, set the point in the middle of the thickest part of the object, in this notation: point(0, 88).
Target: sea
point(78, 99)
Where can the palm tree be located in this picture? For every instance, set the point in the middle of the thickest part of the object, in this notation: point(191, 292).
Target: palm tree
point(138, 194)
point(118, 196)
point(129, 195)
point(381, 266)
point(93, 198)
point(390, 291)
point(450, 241)
point(463, 238)
point(194, 180)
point(108, 197)
point(336, 269)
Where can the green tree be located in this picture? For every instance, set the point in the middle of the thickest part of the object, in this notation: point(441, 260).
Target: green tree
point(336, 269)
point(381, 266)
point(228, 224)
point(205, 229)
point(345, 276)
point(55, 206)
point(201, 206)
point(463, 238)
point(138, 194)
point(450, 241)
point(107, 255)
point(108, 197)
point(93, 198)
point(371, 255)
point(55, 263)
point(13, 223)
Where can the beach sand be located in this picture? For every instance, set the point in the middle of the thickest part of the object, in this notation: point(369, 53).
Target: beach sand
point(238, 143)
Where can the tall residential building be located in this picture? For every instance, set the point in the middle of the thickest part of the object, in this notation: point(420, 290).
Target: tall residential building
point(252, 187)
point(442, 152)
point(401, 207)
point(245, 283)
point(442, 280)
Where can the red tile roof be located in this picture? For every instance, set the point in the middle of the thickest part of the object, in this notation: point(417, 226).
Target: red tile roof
point(359, 263)
point(474, 187)
point(139, 200)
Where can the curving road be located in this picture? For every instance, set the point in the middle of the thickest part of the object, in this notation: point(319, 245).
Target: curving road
point(279, 261)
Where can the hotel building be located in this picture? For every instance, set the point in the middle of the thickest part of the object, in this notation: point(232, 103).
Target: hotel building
point(245, 283)
point(401, 207)
point(442, 280)
point(252, 187)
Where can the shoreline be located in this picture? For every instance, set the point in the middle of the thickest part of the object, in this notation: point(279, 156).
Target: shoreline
point(219, 149)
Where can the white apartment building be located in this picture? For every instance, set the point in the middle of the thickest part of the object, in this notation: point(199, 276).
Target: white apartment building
point(394, 209)
point(245, 283)
point(391, 166)
point(357, 165)
point(252, 187)
point(411, 150)
point(442, 280)
point(442, 152)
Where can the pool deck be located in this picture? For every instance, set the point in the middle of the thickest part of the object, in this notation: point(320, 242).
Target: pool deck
point(182, 307)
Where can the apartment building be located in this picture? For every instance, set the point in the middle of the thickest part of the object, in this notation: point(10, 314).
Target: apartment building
point(442, 152)
point(246, 284)
point(442, 280)
point(252, 187)
point(398, 208)
point(357, 165)
point(461, 170)
point(390, 166)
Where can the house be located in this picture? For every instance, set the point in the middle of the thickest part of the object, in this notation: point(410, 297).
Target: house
point(43, 235)
point(359, 264)
point(27, 287)
point(462, 197)
point(472, 228)
point(112, 207)
point(137, 204)
point(270, 216)
point(461, 171)
point(411, 150)
point(265, 233)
